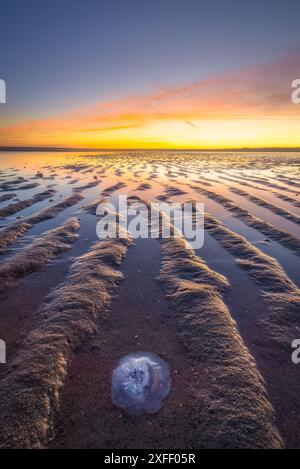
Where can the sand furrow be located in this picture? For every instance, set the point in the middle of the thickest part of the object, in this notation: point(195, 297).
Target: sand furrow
point(25, 187)
point(286, 198)
point(89, 185)
point(287, 240)
point(7, 185)
point(283, 296)
point(12, 232)
point(110, 190)
point(30, 391)
point(264, 203)
point(6, 197)
point(38, 253)
point(11, 209)
point(236, 399)
point(143, 187)
point(288, 182)
point(273, 185)
point(237, 181)
point(92, 206)
point(172, 191)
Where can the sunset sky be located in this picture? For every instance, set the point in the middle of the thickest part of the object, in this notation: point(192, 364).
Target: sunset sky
point(150, 74)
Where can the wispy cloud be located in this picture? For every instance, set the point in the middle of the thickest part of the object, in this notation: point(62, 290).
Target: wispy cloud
point(261, 92)
point(191, 124)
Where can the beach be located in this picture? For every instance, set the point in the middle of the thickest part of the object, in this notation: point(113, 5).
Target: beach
point(224, 315)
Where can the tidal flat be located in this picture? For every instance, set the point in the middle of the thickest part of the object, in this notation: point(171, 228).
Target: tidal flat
point(223, 316)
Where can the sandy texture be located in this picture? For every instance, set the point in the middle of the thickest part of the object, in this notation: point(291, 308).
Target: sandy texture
point(38, 253)
point(237, 404)
point(30, 392)
point(9, 234)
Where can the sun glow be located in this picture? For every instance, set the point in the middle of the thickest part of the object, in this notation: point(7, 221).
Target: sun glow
point(248, 108)
point(193, 134)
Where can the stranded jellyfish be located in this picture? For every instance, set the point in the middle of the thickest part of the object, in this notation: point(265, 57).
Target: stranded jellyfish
point(140, 383)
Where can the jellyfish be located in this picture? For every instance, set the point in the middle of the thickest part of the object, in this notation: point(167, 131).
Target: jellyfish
point(140, 383)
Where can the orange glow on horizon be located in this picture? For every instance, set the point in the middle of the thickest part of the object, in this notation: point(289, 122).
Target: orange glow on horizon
point(176, 134)
point(251, 108)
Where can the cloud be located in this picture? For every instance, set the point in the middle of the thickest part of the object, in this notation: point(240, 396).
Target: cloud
point(260, 92)
point(191, 124)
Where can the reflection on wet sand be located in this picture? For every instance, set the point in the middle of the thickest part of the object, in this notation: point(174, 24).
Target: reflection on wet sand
point(239, 374)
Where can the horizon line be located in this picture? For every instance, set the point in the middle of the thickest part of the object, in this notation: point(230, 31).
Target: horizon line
point(4, 148)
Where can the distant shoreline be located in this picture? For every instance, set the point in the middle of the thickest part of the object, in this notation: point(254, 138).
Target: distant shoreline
point(62, 149)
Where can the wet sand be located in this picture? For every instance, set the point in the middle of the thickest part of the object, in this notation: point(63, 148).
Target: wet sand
point(139, 319)
point(255, 196)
